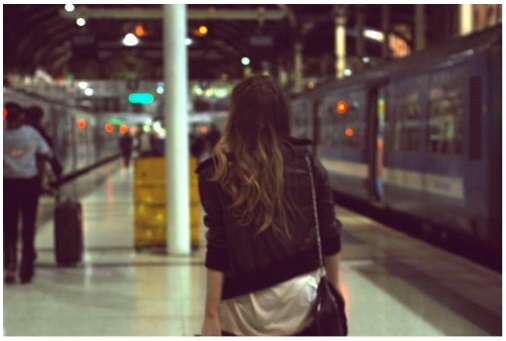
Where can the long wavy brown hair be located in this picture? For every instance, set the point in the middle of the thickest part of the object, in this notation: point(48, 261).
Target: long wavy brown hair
point(249, 156)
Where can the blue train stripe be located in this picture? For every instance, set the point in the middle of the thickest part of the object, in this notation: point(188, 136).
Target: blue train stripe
point(449, 186)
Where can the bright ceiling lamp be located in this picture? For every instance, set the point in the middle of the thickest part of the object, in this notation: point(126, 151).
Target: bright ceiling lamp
point(373, 34)
point(130, 40)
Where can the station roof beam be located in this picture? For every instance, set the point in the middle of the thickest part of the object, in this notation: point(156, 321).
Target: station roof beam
point(193, 14)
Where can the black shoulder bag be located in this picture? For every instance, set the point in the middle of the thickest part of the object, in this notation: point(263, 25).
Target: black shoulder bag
point(328, 313)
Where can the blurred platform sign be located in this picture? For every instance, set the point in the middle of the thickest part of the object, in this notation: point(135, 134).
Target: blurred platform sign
point(140, 98)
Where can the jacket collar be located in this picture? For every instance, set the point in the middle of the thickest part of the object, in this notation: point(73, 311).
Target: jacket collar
point(297, 141)
point(287, 139)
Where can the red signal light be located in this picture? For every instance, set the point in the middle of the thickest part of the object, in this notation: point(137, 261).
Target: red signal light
point(349, 132)
point(123, 129)
point(109, 127)
point(5, 113)
point(341, 107)
point(81, 124)
point(140, 31)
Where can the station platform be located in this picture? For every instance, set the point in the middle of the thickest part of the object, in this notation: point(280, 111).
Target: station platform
point(393, 284)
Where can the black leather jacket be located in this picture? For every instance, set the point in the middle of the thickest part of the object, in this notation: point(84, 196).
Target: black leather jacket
point(252, 262)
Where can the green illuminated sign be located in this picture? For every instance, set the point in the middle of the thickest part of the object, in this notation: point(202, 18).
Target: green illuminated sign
point(115, 120)
point(140, 97)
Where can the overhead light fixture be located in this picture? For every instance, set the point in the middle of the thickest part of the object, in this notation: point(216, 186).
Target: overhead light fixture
point(70, 8)
point(373, 34)
point(203, 30)
point(245, 61)
point(130, 40)
point(82, 85)
point(160, 90)
point(80, 22)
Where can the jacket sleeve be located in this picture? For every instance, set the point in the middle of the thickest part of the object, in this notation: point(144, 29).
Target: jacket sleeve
point(330, 226)
point(216, 255)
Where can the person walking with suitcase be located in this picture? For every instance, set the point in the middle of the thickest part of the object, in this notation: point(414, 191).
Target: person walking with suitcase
point(21, 144)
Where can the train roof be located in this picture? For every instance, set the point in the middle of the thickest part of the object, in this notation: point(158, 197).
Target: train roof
point(456, 49)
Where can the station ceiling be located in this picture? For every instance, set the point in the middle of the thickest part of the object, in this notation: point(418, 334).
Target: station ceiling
point(47, 37)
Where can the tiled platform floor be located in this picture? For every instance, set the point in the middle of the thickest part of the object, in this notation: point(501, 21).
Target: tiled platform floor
point(394, 285)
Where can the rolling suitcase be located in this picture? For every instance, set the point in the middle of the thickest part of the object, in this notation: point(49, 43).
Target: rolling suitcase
point(68, 231)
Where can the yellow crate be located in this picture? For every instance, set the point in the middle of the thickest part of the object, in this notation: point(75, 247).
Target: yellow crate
point(150, 194)
point(150, 214)
point(149, 170)
point(194, 163)
point(150, 235)
point(195, 224)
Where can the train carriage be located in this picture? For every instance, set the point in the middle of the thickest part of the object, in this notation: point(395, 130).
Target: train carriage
point(79, 138)
point(419, 136)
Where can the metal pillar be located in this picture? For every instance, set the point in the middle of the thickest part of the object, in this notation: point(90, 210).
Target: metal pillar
point(282, 74)
point(466, 19)
point(360, 26)
point(260, 13)
point(247, 71)
point(385, 27)
point(176, 122)
point(340, 36)
point(419, 27)
point(299, 68)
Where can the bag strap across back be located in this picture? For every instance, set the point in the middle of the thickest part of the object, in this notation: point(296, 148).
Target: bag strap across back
point(315, 214)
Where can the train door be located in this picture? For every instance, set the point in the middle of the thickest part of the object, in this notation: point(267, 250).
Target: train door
point(375, 139)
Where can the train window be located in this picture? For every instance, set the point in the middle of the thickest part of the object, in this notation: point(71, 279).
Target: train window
point(444, 126)
point(345, 129)
point(301, 115)
point(407, 123)
point(349, 123)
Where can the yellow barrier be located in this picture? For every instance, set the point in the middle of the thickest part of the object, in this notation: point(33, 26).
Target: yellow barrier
point(150, 215)
point(194, 204)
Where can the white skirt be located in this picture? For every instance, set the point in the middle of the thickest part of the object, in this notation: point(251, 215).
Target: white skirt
point(283, 309)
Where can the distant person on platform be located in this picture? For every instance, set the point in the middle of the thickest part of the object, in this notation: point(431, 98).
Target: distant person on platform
point(212, 137)
point(126, 144)
point(143, 143)
point(33, 117)
point(197, 144)
point(21, 144)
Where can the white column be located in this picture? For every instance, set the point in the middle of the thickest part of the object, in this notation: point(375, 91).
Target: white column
point(466, 19)
point(340, 37)
point(176, 123)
